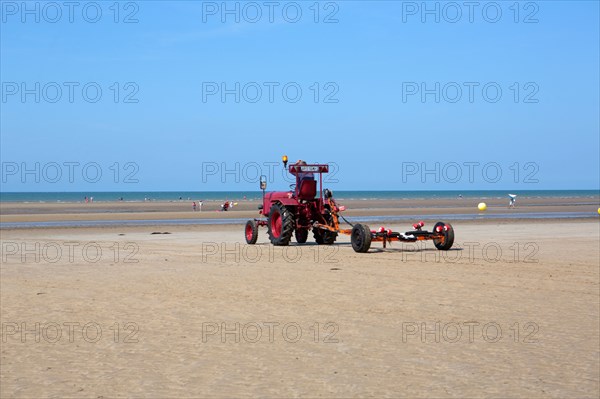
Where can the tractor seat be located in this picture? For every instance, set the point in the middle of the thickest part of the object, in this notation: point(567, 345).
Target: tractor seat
point(308, 189)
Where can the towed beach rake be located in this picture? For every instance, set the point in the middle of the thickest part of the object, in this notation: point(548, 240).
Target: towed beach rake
point(361, 236)
point(300, 210)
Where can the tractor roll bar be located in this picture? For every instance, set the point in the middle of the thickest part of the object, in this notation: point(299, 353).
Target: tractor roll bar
point(311, 168)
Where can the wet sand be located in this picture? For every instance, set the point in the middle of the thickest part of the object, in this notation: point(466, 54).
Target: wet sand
point(40, 212)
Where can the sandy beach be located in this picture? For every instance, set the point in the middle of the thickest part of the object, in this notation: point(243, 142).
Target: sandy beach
point(445, 155)
point(512, 310)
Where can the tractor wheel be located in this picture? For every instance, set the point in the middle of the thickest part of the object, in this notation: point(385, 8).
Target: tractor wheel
point(280, 225)
point(361, 238)
point(445, 243)
point(301, 235)
point(251, 232)
point(324, 237)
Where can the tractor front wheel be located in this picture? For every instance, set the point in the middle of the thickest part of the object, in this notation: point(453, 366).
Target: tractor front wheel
point(280, 225)
point(251, 232)
point(360, 238)
point(445, 243)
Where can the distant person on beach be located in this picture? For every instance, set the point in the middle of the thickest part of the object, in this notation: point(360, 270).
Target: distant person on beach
point(200, 205)
point(91, 199)
point(225, 206)
point(85, 199)
point(512, 200)
point(194, 206)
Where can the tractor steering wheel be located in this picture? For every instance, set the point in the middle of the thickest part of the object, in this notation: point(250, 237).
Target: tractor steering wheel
point(293, 187)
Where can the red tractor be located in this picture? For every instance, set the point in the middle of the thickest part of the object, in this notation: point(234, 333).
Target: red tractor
point(305, 208)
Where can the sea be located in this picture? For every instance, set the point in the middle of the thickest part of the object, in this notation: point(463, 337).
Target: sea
point(141, 196)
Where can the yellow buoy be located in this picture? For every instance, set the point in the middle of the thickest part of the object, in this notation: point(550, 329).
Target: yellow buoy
point(598, 211)
point(482, 206)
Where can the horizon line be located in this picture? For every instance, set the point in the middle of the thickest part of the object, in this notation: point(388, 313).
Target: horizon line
point(342, 190)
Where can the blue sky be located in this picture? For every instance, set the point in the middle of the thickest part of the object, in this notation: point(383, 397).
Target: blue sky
point(370, 61)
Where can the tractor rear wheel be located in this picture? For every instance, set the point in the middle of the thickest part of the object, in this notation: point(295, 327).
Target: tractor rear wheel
point(280, 225)
point(301, 235)
point(445, 243)
point(251, 232)
point(324, 237)
point(360, 238)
